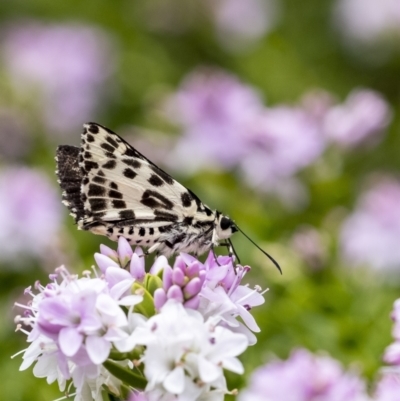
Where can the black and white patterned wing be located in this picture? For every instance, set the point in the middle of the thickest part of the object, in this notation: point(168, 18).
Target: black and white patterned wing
point(120, 185)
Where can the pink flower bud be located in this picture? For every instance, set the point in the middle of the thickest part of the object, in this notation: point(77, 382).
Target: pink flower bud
point(192, 288)
point(175, 293)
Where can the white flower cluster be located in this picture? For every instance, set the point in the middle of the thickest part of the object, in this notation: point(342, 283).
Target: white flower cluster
point(167, 334)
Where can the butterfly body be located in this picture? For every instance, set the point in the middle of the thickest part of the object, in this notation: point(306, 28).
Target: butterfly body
point(111, 189)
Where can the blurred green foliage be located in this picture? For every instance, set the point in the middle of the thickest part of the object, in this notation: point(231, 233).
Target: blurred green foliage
point(341, 311)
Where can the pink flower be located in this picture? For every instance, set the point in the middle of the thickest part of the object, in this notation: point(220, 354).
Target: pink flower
point(284, 141)
point(392, 352)
point(216, 111)
point(182, 282)
point(289, 139)
point(304, 377)
point(367, 21)
point(363, 116)
point(30, 214)
point(388, 388)
point(241, 22)
point(138, 396)
point(370, 235)
point(66, 64)
point(76, 324)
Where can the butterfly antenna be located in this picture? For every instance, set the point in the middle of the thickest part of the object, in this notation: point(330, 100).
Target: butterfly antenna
point(262, 250)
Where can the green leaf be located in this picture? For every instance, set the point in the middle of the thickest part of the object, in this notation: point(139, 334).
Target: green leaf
point(146, 307)
point(125, 374)
point(153, 283)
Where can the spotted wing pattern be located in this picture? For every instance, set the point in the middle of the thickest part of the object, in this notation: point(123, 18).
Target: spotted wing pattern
point(112, 189)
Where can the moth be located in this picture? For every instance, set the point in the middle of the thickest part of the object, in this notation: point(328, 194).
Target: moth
point(111, 189)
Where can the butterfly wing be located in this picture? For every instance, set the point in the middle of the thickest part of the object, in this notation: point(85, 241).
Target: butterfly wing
point(118, 183)
point(112, 189)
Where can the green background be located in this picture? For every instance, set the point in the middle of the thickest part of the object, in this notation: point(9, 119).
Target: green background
point(337, 309)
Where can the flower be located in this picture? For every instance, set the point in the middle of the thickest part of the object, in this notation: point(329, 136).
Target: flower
point(30, 214)
point(241, 22)
point(388, 388)
point(183, 282)
point(171, 331)
point(304, 377)
point(137, 396)
point(214, 289)
point(214, 109)
point(367, 21)
point(223, 295)
point(225, 122)
point(369, 236)
point(284, 141)
point(185, 355)
point(74, 322)
point(66, 64)
point(364, 115)
point(392, 352)
point(276, 129)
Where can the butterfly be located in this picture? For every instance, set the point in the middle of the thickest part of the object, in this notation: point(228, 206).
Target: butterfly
point(111, 189)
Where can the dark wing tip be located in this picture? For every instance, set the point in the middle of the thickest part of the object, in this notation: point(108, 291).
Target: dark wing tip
point(70, 178)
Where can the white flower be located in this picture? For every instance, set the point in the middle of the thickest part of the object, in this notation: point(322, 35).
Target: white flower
point(230, 300)
point(74, 323)
point(186, 355)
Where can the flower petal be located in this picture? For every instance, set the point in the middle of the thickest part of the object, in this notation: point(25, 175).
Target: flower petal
point(233, 364)
point(160, 263)
point(124, 251)
point(104, 261)
point(137, 267)
point(98, 349)
point(175, 381)
point(70, 341)
point(208, 371)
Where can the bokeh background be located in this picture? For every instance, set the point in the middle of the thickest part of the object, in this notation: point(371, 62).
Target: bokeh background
point(282, 114)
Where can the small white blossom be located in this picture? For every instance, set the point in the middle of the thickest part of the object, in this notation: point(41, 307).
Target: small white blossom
point(186, 355)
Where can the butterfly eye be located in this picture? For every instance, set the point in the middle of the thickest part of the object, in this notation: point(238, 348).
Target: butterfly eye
point(225, 223)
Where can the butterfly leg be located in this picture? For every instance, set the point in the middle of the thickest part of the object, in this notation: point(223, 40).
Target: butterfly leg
point(153, 248)
point(231, 249)
point(150, 250)
point(215, 256)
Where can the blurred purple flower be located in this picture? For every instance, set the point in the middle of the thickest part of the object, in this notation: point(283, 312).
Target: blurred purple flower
point(388, 388)
point(216, 112)
point(30, 213)
point(363, 116)
point(392, 352)
point(367, 21)
point(66, 64)
point(284, 140)
point(304, 377)
point(241, 22)
point(289, 138)
point(370, 235)
point(226, 126)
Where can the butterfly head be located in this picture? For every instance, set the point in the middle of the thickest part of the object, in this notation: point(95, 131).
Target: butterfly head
point(224, 227)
